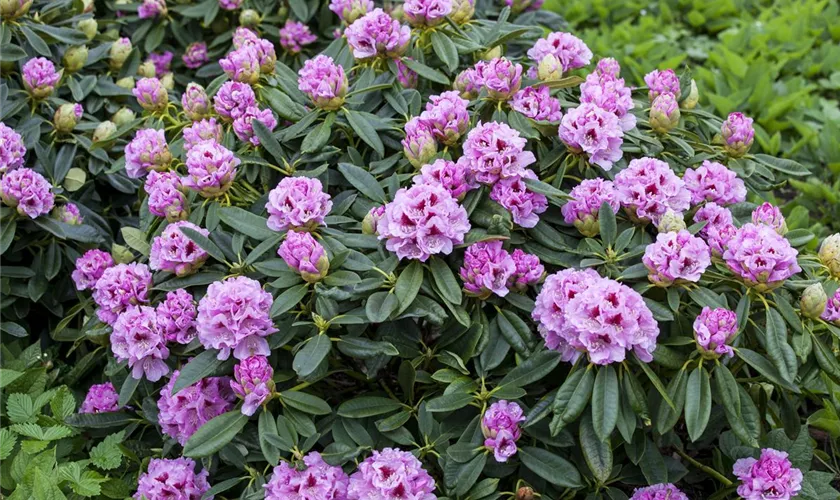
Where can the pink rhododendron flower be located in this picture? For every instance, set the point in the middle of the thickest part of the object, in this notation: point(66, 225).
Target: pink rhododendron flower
point(423, 220)
point(676, 257)
point(772, 476)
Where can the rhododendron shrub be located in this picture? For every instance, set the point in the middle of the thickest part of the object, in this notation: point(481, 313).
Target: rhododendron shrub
point(358, 250)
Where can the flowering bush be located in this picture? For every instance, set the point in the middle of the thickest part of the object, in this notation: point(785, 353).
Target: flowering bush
point(352, 251)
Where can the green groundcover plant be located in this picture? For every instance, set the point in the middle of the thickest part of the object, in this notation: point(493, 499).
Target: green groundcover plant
point(347, 251)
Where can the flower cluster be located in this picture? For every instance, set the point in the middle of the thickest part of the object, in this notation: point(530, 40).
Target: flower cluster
point(28, 191)
point(719, 227)
point(301, 252)
point(495, 151)
point(318, 481)
point(595, 131)
point(182, 413)
point(90, 267)
point(714, 329)
point(253, 382)
point(501, 78)
point(151, 94)
point(769, 215)
point(152, 8)
point(40, 77)
point(195, 102)
point(172, 478)
point(582, 210)
point(647, 188)
point(391, 473)
point(297, 203)
point(529, 270)
point(137, 338)
point(377, 34)
point(738, 134)
point(324, 82)
point(524, 205)
point(234, 316)
point(487, 269)
point(211, 168)
point(419, 144)
point(715, 183)
point(537, 104)
point(676, 257)
point(242, 65)
point(101, 398)
point(146, 152)
point(175, 252)
point(500, 425)
point(195, 56)
point(232, 99)
point(565, 50)
point(581, 312)
point(429, 13)
point(422, 221)
point(446, 116)
point(350, 10)
point(294, 35)
point(176, 316)
point(831, 313)
point(119, 288)
point(770, 476)
point(166, 196)
point(661, 491)
point(12, 150)
point(243, 126)
point(162, 61)
point(662, 82)
point(761, 257)
point(452, 176)
point(604, 89)
point(68, 213)
point(200, 131)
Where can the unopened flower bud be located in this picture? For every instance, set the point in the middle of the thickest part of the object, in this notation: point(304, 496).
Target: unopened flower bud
point(398, 13)
point(738, 134)
point(462, 11)
point(168, 81)
point(249, 18)
point(146, 70)
point(664, 113)
point(550, 68)
point(371, 220)
point(89, 27)
point(492, 53)
point(66, 117)
point(68, 214)
point(13, 9)
point(813, 301)
point(104, 131)
point(525, 493)
point(671, 222)
point(119, 53)
point(419, 144)
point(121, 254)
point(75, 58)
point(126, 83)
point(87, 6)
point(830, 254)
point(690, 102)
point(305, 255)
point(195, 102)
point(123, 116)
